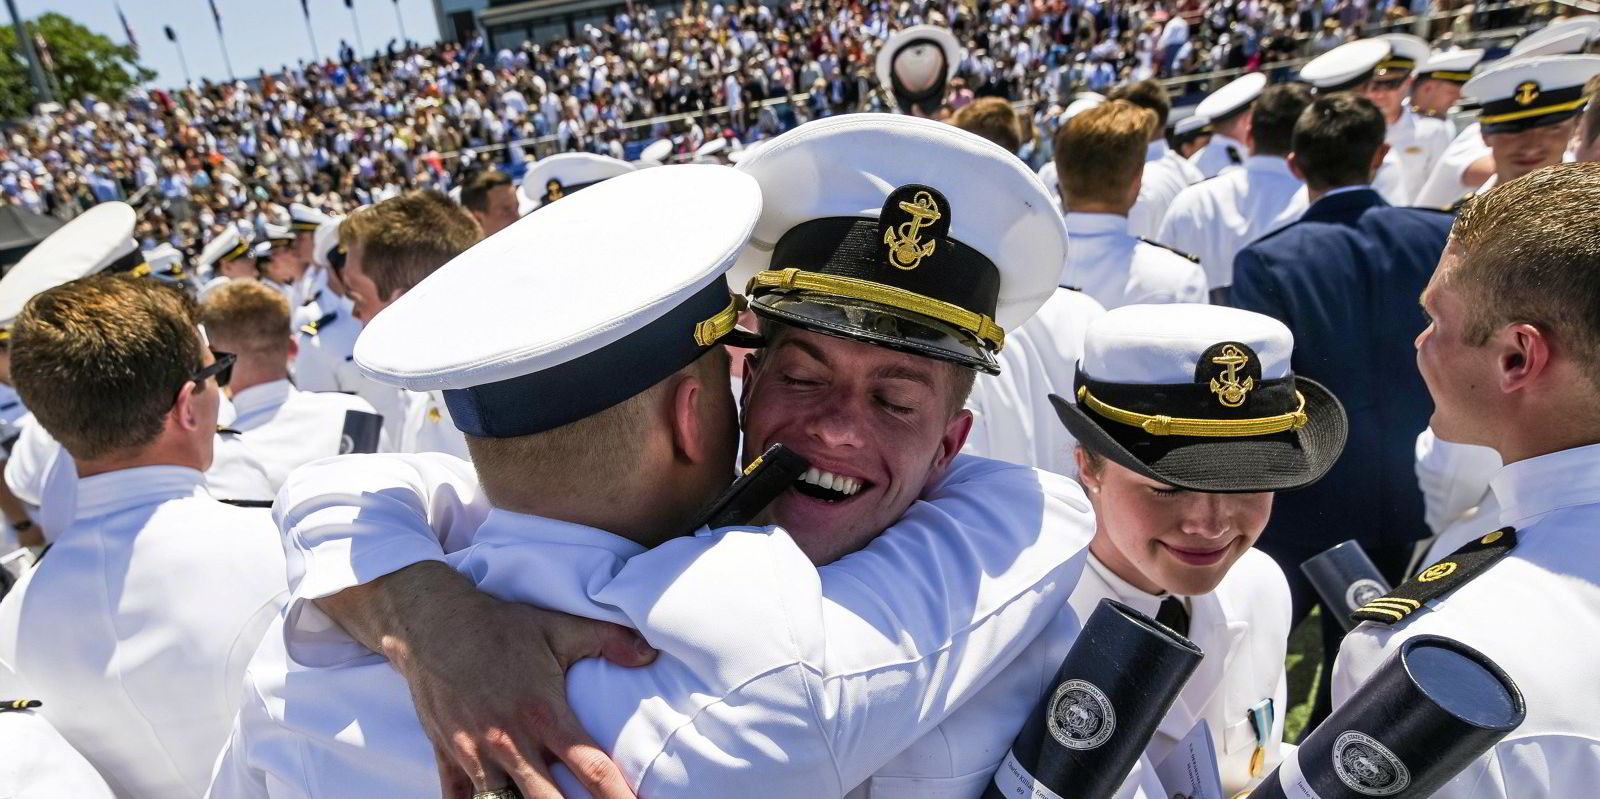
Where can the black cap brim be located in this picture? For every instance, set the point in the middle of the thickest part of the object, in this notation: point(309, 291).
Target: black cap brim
point(872, 323)
point(1276, 462)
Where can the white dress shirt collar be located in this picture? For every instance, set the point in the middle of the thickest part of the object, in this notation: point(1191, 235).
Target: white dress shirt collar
point(130, 488)
point(1531, 488)
point(1080, 223)
point(1125, 592)
point(264, 396)
point(509, 527)
point(1275, 164)
point(1156, 150)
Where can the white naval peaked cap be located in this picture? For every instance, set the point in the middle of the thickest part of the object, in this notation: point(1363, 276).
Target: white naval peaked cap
point(305, 219)
point(575, 308)
point(1190, 124)
point(325, 241)
point(1406, 53)
point(918, 58)
point(656, 153)
point(97, 240)
point(748, 150)
point(164, 261)
point(226, 246)
point(271, 233)
point(1451, 65)
point(1160, 344)
point(559, 175)
point(1531, 91)
point(713, 146)
point(1082, 103)
point(1345, 66)
point(1561, 37)
point(961, 231)
point(1229, 99)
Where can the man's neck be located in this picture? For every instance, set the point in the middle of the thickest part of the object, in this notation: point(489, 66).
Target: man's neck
point(248, 374)
point(1312, 195)
point(1092, 207)
point(162, 453)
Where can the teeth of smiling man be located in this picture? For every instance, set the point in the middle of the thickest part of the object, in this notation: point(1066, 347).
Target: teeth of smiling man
point(844, 485)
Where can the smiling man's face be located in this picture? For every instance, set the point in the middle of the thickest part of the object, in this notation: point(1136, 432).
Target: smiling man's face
point(877, 426)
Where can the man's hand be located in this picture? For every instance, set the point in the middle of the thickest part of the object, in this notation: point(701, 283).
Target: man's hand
point(488, 678)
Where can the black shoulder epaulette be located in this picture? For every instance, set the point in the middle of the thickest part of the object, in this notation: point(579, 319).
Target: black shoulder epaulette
point(1439, 579)
point(228, 431)
point(1078, 289)
point(1153, 243)
point(247, 503)
point(311, 299)
point(1455, 207)
point(311, 328)
point(9, 705)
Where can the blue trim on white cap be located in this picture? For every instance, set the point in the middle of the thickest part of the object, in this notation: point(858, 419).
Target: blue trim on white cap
point(565, 393)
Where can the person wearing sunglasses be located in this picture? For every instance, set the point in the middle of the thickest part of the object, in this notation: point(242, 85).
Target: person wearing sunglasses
point(142, 678)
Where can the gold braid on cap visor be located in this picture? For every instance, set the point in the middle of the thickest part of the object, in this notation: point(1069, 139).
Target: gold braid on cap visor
point(1202, 428)
point(712, 330)
point(972, 322)
point(1533, 112)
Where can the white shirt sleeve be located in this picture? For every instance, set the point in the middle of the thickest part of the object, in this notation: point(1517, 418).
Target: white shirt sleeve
point(345, 526)
point(1454, 477)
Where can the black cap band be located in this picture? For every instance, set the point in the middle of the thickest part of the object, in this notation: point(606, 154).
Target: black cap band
point(1531, 107)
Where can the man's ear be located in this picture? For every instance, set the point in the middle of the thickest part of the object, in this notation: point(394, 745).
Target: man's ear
point(1524, 356)
point(686, 397)
point(184, 415)
point(1377, 160)
point(1294, 167)
point(955, 437)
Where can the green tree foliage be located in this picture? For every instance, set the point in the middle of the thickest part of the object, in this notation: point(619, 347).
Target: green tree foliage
point(81, 63)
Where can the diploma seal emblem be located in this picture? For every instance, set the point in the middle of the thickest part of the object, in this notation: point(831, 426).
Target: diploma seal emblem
point(1080, 715)
point(1361, 592)
point(1368, 767)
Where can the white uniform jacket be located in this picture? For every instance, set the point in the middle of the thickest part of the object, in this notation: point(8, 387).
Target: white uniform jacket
point(135, 628)
point(428, 426)
point(325, 363)
point(1113, 266)
point(1221, 153)
point(1215, 219)
point(42, 474)
point(40, 764)
point(1536, 613)
point(1191, 173)
point(1013, 420)
point(1243, 628)
point(1417, 143)
point(1160, 183)
point(1446, 183)
point(807, 683)
point(287, 427)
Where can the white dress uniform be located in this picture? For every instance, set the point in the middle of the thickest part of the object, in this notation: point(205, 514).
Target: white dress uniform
point(1222, 152)
point(1243, 628)
point(143, 676)
point(1012, 417)
point(11, 411)
point(1444, 185)
point(326, 362)
point(815, 683)
point(1215, 219)
point(428, 427)
point(1536, 613)
point(287, 427)
point(40, 764)
point(1457, 502)
point(1160, 183)
point(1191, 173)
point(1418, 143)
point(1112, 265)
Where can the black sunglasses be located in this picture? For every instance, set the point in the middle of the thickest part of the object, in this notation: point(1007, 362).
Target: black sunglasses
point(221, 369)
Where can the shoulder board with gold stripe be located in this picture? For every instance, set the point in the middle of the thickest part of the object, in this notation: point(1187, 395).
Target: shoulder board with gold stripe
point(7, 705)
point(1439, 579)
point(1456, 206)
point(1192, 258)
point(311, 328)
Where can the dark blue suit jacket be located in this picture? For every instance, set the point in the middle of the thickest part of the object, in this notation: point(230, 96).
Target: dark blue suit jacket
point(1346, 279)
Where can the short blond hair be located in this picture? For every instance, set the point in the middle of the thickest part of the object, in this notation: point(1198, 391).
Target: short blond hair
point(1100, 152)
point(404, 239)
point(247, 316)
point(1531, 254)
point(992, 118)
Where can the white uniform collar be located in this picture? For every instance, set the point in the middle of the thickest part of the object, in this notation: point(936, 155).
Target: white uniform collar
point(1125, 592)
point(130, 488)
point(1221, 141)
point(263, 396)
point(1275, 164)
point(509, 527)
point(1536, 486)
point(1081, 223)
point(1156, 150)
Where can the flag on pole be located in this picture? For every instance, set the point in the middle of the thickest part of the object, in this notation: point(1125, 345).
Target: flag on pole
point(216, 15)
point(128, 29)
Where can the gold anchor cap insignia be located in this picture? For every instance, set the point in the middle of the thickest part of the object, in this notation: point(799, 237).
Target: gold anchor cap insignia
point(914, 220)
point(1231, 358)
point(552, 191)
point(1527, 92)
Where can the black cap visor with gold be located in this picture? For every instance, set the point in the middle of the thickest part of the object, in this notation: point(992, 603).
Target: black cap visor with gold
point(1227, 432)
point(897, 281)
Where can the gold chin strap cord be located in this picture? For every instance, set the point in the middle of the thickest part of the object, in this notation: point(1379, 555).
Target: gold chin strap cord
point(975, 323)
point(712, 330)
point(1203, 428)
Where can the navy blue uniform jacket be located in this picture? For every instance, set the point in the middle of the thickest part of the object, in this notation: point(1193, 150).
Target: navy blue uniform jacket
point(1346, 279)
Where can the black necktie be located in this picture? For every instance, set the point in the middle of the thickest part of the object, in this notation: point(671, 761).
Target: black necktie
point(1173, 614)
